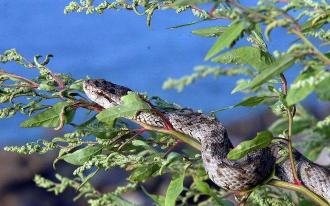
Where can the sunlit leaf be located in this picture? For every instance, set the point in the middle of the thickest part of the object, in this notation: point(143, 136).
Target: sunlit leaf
point(174, 189)
point(240, 85)
point(322, 89)
point(132, 103)
point(276, 68)
point(227, 39)
point(248, 102)
point(80, 156)
point(304, 85)
point(188, 2)
point(252, 56)
point(251, 101)
point(51, 117)
point(262, 140)
point(210, 31)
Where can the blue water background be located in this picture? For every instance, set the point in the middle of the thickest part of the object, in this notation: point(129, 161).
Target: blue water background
point(118, 46)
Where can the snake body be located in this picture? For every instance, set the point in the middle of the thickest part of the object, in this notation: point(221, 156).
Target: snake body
point(233, 175)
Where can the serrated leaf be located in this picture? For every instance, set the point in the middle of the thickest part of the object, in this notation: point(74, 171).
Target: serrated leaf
point(252, 56)
point(174, 189)
point(210, 31)
point(81, 156)
point(50, 118)
point(262, 140)
point(132, 103)
point(276, 68)
point(228, 37)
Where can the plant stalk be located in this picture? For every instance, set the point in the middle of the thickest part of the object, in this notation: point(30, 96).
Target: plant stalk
point(284, 84)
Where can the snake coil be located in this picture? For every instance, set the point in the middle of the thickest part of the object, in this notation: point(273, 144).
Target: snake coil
point(233, 175)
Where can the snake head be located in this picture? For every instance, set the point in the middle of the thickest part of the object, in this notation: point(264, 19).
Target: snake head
point(104, 93)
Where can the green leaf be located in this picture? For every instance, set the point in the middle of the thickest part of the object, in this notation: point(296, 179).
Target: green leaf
point(140, 143)
point(262, 140)
point(174, 190)
point(300, 124)
point(240, 85)
point(132, 103)
point(107, 133)
point(186, 24)
point(188, 2)
point(210, 31)
point(172, 157)
point(81, 156)
point(303, 85)
point(248, 102)
point(143, 172)
point(275, 69)
point(252, 56)
point(257, 38)
point(50, 118)
point(158, 199)
point(227, 39)
point(322, 89)
point(251, 101)
point(203, 187)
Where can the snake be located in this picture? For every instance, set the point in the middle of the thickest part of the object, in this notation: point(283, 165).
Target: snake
point(232, 175)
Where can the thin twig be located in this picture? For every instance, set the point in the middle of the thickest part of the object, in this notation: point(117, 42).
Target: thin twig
point(62, 119)
point(31, 83)
point(317, 52)
point(139, 132)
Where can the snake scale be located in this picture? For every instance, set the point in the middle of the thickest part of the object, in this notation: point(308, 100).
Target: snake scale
point(233, 175)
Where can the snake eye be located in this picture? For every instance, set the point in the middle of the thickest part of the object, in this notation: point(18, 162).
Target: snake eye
point(97, 83)
point(112, 90)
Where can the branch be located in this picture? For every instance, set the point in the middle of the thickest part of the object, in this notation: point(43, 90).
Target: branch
point(301, 189)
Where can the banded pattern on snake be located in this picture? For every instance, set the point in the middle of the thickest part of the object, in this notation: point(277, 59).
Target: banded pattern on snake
point(231, 175)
